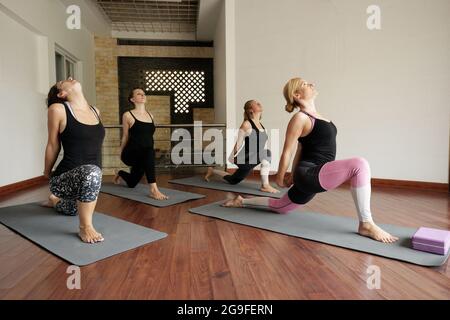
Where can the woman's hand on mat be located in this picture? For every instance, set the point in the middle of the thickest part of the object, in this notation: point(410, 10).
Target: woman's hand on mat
point(284, 181)
point(288, 180)
point(280, 182)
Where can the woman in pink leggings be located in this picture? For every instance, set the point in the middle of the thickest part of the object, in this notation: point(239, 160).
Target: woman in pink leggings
point(314, 166)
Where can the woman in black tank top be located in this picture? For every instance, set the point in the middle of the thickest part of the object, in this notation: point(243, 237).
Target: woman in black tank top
point(249, 150)
point(76, 182)
point(314, 168)
point(137, 146)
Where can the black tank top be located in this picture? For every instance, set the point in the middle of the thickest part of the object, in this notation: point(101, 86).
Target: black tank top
point(82, 143)
point(319, 146)
point(141, 133)
point(253, 153)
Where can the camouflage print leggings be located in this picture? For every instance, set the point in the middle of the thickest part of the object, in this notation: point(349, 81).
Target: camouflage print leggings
point(80, 184)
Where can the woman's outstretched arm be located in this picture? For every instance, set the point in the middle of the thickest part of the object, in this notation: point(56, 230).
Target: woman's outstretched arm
point(125, 128)
point(54, 119)
point(293, 132)
point(290, 177)
point(244, 131)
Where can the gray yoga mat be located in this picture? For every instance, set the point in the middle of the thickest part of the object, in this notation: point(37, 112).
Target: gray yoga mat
point(334, 230)
point(141, 191)
point(59, 234)
point(246, 187)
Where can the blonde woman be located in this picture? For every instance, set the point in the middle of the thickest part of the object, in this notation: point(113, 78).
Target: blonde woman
point(249, 150)
point(314, 166)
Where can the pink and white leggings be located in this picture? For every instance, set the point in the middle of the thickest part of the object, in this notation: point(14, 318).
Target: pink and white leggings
point(330, 176)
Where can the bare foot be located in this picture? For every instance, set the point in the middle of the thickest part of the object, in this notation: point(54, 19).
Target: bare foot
point(209, 173)
point(371, 230)
point(233, 203)
point(157, 195)
point(269, 189)
point(51, 201)
point(90, 235)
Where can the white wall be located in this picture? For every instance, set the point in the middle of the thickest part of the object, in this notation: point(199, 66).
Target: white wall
point(28, 33)
point(92, 16)
point(225, 71)
point(230, 63)
point(220, 101)
point(208, 16)
point(387, 90)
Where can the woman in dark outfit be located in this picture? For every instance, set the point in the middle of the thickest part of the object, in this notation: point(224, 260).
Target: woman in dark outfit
point(250, 150)
point(76, 182)
point(137, 147)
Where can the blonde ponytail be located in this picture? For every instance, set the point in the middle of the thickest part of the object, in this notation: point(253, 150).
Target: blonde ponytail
point(292, 86)
point(247, 107)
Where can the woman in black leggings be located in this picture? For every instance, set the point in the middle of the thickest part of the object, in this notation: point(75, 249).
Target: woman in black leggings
point(249, 151)
point(137, 147)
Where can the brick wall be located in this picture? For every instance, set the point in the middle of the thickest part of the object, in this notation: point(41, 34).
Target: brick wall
point(107, 88)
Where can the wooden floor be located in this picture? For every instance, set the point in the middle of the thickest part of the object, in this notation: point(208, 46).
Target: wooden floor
point(204, 258)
